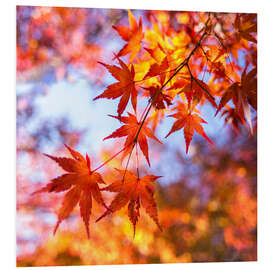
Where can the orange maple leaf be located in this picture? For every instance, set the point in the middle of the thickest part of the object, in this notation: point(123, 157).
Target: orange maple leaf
point(158, 69)
point(135, 191)
point(160, 66)
point(157, 53)
point(190, 122)
point(125, 87)
point(130, 130)
point(82, 184)
point(132, 35)
point(164, 64)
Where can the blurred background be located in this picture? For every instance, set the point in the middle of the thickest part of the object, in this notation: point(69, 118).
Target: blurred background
point(207, 200)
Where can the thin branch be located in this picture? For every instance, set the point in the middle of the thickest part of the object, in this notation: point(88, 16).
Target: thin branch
point(137, 157)
point(123, 179)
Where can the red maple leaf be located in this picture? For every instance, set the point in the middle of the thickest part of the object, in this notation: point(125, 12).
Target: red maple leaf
point(195, 91)
point(133, 191)
point(245, 24)
point(125, 87)
point(130, 130)
point(189, 121)
point(82, 184)
point(242, 94)
point(160, 99)
point(233, 117)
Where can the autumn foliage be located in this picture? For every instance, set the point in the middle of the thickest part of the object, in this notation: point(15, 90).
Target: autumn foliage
point(82, 184)
point(171, 66)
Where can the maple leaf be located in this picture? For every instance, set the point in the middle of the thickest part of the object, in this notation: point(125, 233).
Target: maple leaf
point(82, 184)
point(242, 94)
point(125, 87)
point(132, 35)
point(160, 66)
point(130, 130)
point(214, 53)
point(190, 122)
point(133, 191)
point(157, 53)
point(196, 90)
point(161, 99)
point(178, 84)
point(233, 117)
point(158, 69)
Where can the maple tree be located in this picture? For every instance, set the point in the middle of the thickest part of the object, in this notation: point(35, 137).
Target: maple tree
point(172, 65)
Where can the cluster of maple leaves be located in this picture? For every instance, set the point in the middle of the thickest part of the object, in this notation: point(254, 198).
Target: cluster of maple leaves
point(164, 67)
point(82, 184)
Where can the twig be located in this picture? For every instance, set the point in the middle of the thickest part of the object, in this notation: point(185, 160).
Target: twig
point(108, 160)
point(138, 173)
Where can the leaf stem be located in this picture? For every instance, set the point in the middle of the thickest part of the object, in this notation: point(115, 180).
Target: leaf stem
point(111, 158)
point(123, 179)
point(137, 157)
